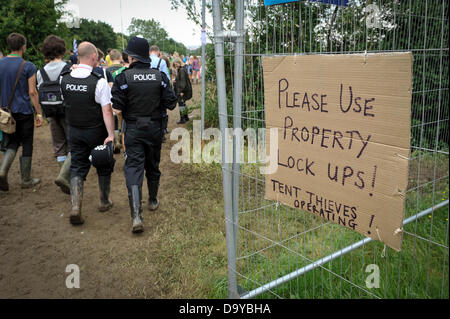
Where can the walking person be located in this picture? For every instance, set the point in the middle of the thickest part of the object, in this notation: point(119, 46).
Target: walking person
point(108, 59)
point(54, 48)
point(160, 64)
point(18, 94)
point(169, 69)
point(116, 65)
point(73, 58)
point(183, 89)
point(157, 62)
point(142, 94)
point(166, 119)
point(125, 65)
point(121, 123)
point(103, 71)
point(90, 123)
point(196, 69)
point(188, 64)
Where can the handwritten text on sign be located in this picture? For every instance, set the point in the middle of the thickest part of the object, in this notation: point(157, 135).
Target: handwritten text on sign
point(343, 138)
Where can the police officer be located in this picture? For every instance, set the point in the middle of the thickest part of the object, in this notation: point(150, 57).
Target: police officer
point(90, 123)
point(142, 94)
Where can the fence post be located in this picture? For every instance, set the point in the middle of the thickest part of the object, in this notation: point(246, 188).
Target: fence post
point(237, 110)
point(203, 66)
point(226, 173)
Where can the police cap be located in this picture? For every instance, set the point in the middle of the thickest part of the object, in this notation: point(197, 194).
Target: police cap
point(102, 156)
point(138, 48)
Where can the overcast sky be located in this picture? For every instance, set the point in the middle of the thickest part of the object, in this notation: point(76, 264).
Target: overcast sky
point(175, 23)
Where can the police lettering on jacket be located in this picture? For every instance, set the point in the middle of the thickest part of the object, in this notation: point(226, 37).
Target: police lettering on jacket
point(79, 98)
point(144, 93)
point(144, 77)
point(76, 87)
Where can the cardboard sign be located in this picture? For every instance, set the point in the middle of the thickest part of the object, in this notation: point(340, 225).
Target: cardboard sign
point(343, 138)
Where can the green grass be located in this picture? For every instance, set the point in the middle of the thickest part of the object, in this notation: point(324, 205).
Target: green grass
point(420, 270)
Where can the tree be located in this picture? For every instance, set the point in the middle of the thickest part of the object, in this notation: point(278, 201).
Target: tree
point(121, 41)
point(149, 29)
point(99, 33)
point(155, 35)
point(193, 10)
point(35, 20)
point(311, 27)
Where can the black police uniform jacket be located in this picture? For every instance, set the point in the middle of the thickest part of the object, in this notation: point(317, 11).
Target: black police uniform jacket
point(81, 109)
point(140, 91)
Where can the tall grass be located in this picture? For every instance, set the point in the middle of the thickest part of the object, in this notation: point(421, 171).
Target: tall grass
point(420, 270)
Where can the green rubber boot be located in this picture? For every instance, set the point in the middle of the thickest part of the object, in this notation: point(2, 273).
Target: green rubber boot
point(76, 197)
point(8, 159)
point(25, 170)
point(63, 179)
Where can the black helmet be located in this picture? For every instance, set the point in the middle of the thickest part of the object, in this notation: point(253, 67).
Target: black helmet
point(139, 49)
point(102, 156)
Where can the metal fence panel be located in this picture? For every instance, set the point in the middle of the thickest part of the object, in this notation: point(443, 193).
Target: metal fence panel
point(287, 253)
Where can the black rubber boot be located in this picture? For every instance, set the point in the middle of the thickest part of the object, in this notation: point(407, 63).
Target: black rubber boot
point(104, 184)
point(134, 197)
point(153, 202)
point(183, 112)
point(63, 179)
point(25, 170)
point(8, 159)
point(76, 197)
point(182, 120)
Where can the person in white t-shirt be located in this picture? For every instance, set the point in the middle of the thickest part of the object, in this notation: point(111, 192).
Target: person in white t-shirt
point(89, 117)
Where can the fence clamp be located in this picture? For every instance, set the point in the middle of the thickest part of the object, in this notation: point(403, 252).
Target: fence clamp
point(230, 36)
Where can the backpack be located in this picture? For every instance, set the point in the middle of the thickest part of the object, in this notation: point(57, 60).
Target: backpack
point(159, 64)
point(113, 69)
point(157, 67)
point(116, 73)
point(50, 95)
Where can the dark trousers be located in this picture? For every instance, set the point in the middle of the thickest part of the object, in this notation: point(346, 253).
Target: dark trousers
point(81, 143)
point(58, 129)
point(23, 135)
point(143, 152)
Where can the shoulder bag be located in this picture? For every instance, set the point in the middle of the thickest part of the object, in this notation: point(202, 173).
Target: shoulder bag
point(7, 122)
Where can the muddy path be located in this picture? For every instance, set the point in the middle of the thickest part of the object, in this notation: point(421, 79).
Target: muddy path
point(37, 242)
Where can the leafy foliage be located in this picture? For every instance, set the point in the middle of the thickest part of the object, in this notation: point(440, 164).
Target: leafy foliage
point(309, 27)
point(34, 19)
point(99, 33)
point(38, 19)
point(156, 35)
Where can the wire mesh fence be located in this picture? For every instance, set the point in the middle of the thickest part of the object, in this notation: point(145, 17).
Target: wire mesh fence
point(283, 252)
